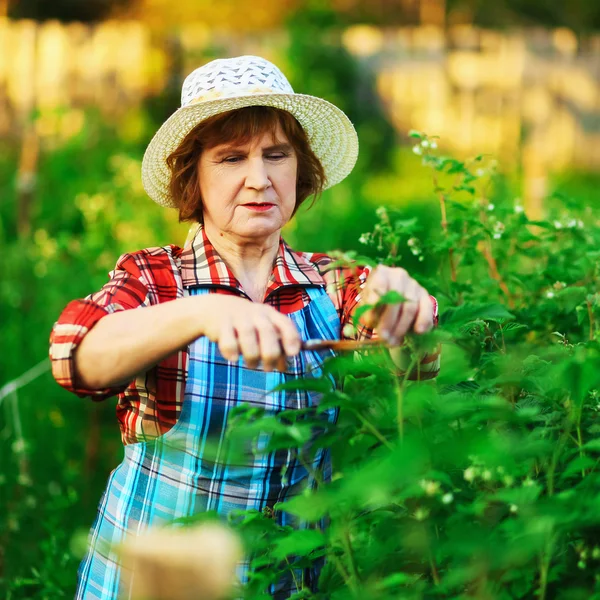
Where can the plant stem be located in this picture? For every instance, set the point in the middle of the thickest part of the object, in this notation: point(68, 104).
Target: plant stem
point(545, 558)
point(400, 415)
point(580, 442)
point(591, 319)
point(345, 576)
point(298, 587)
point(493, 270)
point(433, 567)
point(375, 431)
point(351, 559)
point(444, 223)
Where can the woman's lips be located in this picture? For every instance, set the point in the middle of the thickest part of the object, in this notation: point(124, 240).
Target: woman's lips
point(258, 206)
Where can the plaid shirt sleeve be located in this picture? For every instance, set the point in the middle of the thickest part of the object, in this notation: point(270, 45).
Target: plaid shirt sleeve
point(344, 286)
point(126, 289)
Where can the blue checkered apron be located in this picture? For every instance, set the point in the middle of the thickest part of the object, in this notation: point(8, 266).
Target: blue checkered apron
point(173, 477)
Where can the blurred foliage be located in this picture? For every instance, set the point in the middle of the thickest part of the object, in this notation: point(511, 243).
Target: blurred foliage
point(64, 10)
point(428, 512)
point(579, 15)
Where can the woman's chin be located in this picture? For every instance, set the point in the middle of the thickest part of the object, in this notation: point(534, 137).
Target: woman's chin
point(260, 228)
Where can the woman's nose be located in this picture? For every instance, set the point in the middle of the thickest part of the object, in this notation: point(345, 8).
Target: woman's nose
point(257, 176)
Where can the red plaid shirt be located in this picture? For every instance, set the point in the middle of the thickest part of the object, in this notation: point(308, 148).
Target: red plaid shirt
point(150, 405)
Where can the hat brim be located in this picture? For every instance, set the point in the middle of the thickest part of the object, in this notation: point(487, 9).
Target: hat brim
point(330, 132)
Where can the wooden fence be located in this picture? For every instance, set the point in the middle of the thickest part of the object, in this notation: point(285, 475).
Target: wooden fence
point(531, 97)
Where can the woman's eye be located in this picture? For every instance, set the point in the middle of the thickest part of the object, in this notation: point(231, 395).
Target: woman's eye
point(277, 156)
point(232, 159)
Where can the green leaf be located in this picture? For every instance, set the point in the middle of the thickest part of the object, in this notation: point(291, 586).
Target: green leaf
point(397, 579)
point(578, 466)
point(592, 445)
point(322, 385)
point(469, 312)
point(300, 543)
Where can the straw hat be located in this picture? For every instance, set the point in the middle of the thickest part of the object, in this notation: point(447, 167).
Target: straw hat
point(230, 83)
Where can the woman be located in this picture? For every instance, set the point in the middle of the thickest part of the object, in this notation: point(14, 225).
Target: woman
point(225, 317)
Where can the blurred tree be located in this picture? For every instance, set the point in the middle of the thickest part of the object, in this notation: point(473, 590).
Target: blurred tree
point(320, 65)
point(64, 10)
point(579, 15)
point(227, 14)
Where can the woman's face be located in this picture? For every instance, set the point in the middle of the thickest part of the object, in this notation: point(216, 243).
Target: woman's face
point(249, 191)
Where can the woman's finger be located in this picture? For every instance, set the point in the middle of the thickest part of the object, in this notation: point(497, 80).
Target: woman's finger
point(289, 336)
point(377, 285)
point(424, 320)
point(389, 317)
point(268, 341)
point(248, 343)
point(412, 292)
point(228, 343)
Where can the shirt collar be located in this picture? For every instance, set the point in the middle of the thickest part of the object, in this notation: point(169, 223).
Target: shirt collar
point(201, 265)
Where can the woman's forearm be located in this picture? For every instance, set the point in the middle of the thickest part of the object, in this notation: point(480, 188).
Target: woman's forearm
point(126, 343)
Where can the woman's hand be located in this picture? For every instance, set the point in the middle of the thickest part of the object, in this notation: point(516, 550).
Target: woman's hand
point(394, 321)
point(258, 332)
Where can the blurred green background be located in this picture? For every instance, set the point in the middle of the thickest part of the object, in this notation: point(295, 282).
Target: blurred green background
point(83, 87)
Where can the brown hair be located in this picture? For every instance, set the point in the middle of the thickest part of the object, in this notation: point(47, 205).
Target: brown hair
point(239, 126)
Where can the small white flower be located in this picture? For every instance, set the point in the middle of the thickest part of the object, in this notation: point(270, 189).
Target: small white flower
point(557, 224)
point(486, 475)
point(549, 294)
point(431, 488)
point(497, 236)
point(421, 514)
point(480, 172)
point(447, 498)
point(18, 446)
point(572, 223)
point(425, 143)
point(412, 241)
point(24, 480)
point(490, 206)
point(363, 239)
point(514, 508)
point(433, 144)
point(417, 149)
point(381, 212)
point(470, 474)
point(579, 224)
point(519, 208)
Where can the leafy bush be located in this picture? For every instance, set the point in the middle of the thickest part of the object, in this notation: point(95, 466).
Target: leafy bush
point(480, 484)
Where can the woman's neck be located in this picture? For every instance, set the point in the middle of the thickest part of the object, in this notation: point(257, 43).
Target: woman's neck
point(251, 261)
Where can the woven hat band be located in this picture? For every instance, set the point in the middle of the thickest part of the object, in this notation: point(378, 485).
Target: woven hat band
point(231, 93)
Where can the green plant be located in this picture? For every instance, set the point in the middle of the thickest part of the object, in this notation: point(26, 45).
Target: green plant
point(483, 483)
